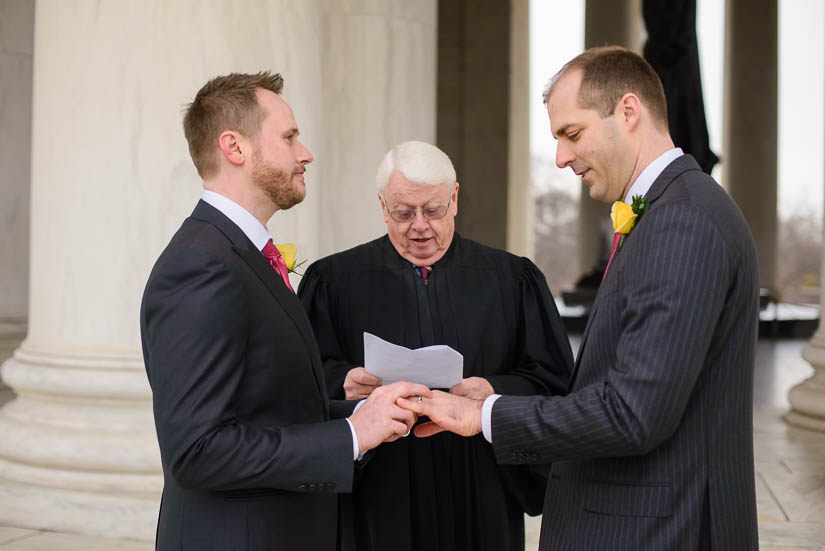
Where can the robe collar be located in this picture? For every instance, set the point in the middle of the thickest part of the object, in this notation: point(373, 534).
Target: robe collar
point(397, 262)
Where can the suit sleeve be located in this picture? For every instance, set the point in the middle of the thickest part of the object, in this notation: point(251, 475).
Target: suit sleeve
point(544, 359)
point(671, 298)
point(195, 333)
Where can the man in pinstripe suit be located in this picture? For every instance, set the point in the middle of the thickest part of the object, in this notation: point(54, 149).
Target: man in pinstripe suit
point(653, 446)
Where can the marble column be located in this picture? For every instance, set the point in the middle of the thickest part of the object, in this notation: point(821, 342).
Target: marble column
point(379, 89)
point(807, 399)
point(16, 52)
point(520, 207)
point(749, 161)
point(111, 182)
point(475, 79)
point(606, 22)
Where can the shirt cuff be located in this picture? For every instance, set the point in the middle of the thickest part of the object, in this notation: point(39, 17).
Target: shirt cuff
point(356, 448)
point(486, 416)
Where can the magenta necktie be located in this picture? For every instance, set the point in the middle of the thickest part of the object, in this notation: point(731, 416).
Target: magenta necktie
point(272, 254)
point(425, 272)
point(617, 238)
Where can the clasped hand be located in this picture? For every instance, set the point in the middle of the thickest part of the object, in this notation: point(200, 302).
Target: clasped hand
point(390, 411)
point(446, 411)
point(381, 419)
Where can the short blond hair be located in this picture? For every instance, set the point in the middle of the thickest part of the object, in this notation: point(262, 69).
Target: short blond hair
point(226, 102)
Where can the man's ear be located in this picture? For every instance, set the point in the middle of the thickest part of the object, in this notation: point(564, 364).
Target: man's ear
point(230, 144)
point(384, 210)
point(455, 199)
point(629, 110)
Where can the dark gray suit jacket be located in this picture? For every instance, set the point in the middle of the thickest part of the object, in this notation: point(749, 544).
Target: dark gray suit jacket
point(251, 459)
point(653, 447)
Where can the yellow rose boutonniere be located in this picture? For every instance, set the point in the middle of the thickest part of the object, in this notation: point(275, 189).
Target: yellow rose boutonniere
point(289, 252)
point(623, 217)
point(626, 216)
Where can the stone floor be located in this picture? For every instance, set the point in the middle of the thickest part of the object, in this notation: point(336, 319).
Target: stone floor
point(790, 465)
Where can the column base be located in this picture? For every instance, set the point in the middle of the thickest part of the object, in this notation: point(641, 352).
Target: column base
point(78, 451)
point(114, 516)
point(808, 397)
point(804, 421)
point(12, 332)
point(808, 403)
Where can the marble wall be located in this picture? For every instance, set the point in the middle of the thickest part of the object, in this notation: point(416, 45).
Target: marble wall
point(16, 48)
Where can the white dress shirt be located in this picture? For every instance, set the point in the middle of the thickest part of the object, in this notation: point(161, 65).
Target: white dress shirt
point(259, 235)
point(642, 184)
point(640, 187)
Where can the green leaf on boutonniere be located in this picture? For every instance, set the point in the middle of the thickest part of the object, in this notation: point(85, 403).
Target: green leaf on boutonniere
point(639, 206)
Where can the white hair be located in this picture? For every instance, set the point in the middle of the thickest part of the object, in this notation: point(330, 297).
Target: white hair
point(418, 162)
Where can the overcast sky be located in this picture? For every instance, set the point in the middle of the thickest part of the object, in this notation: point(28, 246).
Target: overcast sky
point(557, 34)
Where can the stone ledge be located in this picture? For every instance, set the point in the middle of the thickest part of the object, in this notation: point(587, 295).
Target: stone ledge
point(113, 516)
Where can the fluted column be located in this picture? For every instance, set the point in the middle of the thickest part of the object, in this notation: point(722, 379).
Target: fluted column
point(111, 182)
point(16, 44)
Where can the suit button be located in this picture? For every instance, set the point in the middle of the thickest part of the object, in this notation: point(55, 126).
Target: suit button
point(302, 486)
point(313, 487)
point(330, 487)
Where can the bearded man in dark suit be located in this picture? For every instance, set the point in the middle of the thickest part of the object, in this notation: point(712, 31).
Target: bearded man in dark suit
point(653, 446)
point(252, 450)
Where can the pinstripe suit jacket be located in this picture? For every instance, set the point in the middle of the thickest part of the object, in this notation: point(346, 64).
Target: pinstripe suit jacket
point(653, 446)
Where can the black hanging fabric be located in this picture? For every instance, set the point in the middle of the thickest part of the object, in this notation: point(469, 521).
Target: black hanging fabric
point(672, 50)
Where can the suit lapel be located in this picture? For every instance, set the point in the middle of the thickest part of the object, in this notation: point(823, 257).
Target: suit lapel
point(669, 174)
point(258, 263)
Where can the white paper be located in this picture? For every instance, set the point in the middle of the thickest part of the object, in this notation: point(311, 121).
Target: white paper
point(436, 366)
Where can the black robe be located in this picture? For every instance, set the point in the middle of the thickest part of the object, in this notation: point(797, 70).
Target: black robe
point(444, 492)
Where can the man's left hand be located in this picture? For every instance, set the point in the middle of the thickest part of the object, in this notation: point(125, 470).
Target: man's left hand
point(475, 388)
point(446, 412)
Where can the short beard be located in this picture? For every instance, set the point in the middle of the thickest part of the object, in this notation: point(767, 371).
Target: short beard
point(276, 183)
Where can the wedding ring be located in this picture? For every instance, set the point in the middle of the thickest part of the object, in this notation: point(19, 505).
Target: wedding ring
point(420, 399)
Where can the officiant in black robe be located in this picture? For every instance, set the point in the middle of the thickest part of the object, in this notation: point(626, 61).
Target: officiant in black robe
point(420, 285)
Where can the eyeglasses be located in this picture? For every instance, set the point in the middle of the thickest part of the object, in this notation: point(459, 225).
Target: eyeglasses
point(402, 216)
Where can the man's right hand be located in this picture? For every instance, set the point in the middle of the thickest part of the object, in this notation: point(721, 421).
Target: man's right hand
point(380, 419)
point(359, 384)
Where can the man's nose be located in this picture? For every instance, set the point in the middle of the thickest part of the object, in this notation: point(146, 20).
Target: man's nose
point(564, 156)
point(419, 223)
point(304, 156)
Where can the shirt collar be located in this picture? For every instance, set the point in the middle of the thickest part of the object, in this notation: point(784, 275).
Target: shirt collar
point(249, 225)
point(642, 184)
